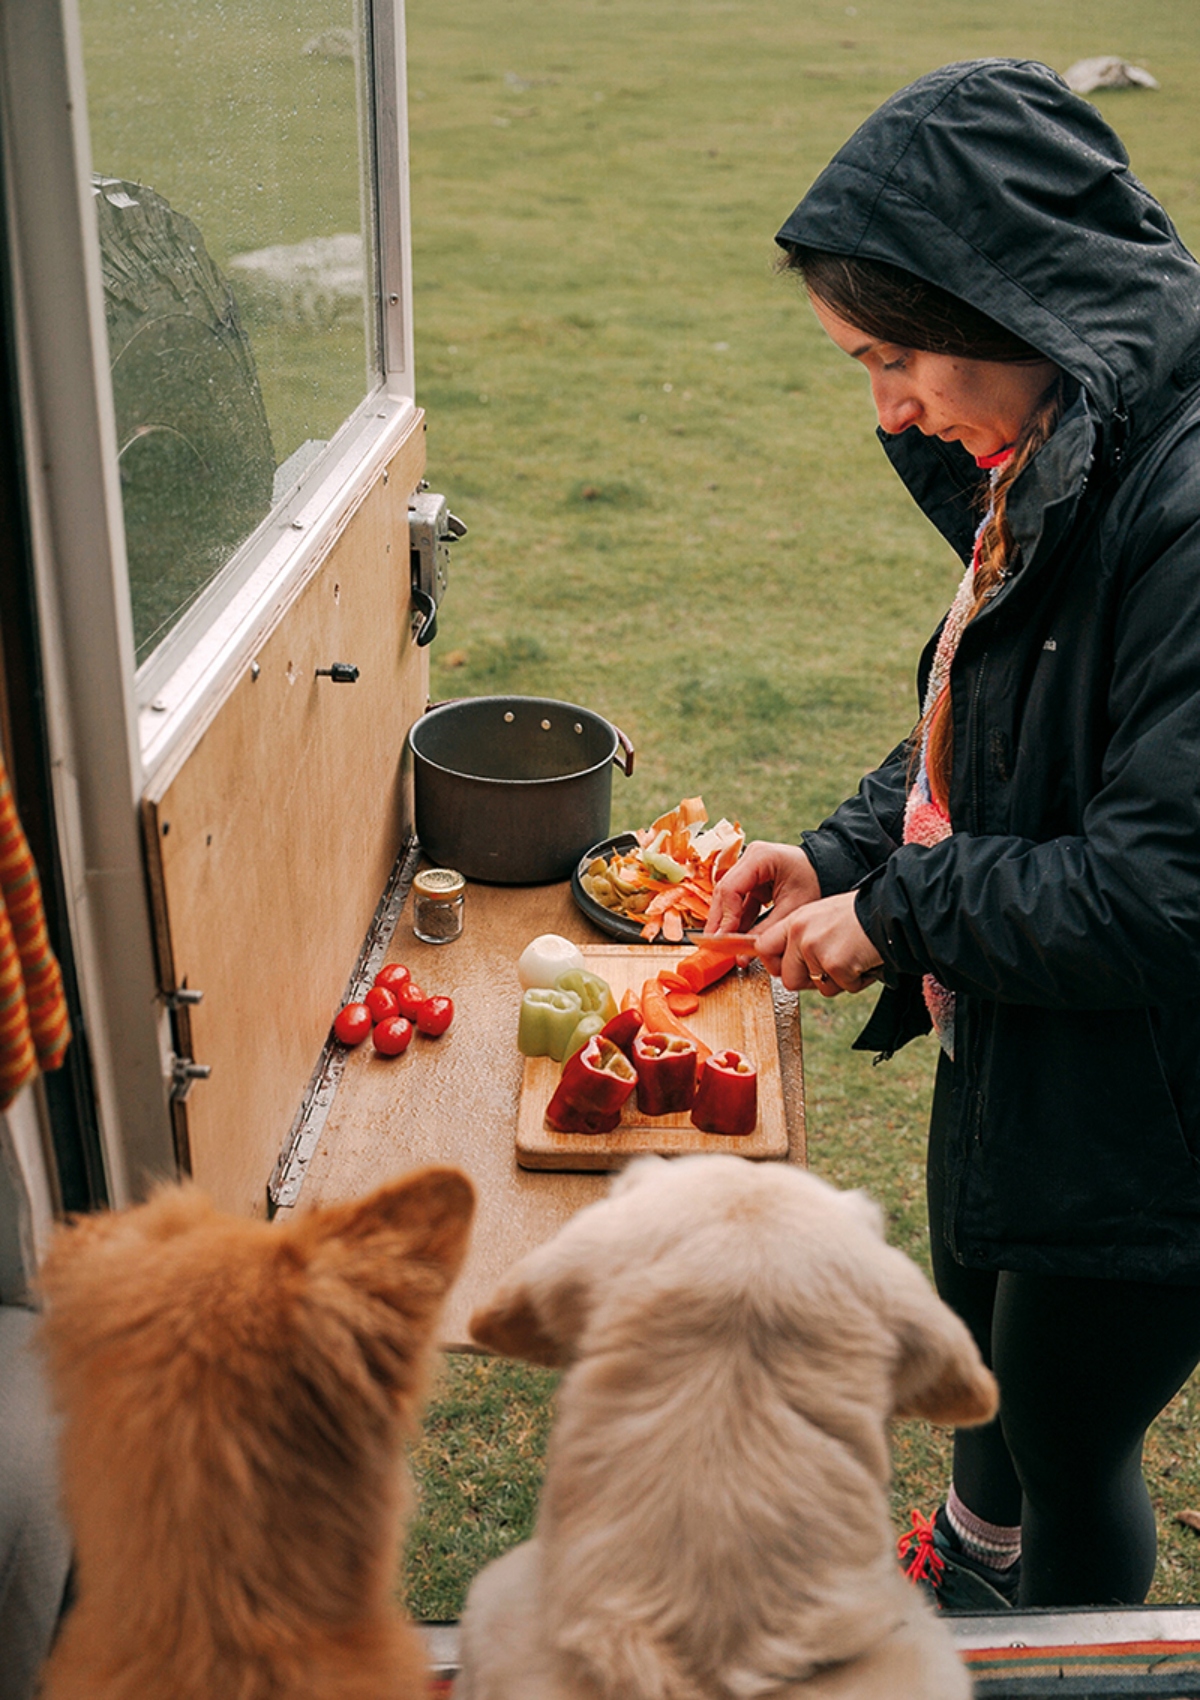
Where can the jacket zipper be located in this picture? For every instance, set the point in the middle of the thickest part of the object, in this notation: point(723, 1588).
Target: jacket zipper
point(976, 727)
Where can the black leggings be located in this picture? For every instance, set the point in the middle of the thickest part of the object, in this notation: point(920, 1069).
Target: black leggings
point(1084, 1368)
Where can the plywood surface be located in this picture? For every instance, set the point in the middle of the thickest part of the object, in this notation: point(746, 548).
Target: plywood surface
point(455, 1099)
point(736, 1014)
point(270, 846)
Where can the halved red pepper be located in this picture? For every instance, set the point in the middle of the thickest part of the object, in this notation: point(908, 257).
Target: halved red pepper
point(656, 1013)
point(594, 1084)
point(623, 1029)
point(726, 1094)
point(666, 1073)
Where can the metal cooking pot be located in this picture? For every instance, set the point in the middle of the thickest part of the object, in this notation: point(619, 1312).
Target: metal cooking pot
point(513, 790)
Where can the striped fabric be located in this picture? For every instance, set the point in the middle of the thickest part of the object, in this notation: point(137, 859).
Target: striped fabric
point(34, 1028)
point(1102, 1663)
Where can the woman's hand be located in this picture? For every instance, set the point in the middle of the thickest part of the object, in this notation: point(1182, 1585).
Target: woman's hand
point(779, 874)
point(821, 946)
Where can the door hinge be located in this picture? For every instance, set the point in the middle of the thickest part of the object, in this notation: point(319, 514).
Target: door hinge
point(184, 1072)
point(431, 528)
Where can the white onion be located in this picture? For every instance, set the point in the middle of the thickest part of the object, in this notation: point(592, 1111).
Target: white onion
point(545, 958)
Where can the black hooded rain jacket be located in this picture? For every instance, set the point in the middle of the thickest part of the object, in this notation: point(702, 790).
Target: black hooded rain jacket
point(1064, 909)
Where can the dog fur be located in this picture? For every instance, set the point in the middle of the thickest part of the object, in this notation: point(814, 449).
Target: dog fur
point(714, 1520)
point(236, 1394)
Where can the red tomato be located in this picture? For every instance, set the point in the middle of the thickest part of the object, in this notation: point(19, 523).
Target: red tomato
point(381, 1003)
point(410, 997)
point(434, 1016)
point(391, 1035)
point(393, 975)
point(352, 1024)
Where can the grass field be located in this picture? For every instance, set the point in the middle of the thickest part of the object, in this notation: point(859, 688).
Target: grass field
point(678, 514)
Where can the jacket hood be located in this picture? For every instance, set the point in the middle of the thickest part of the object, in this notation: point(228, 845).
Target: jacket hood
point(995, 181)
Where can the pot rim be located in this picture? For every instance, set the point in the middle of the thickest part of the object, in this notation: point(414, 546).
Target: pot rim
point(440, 709)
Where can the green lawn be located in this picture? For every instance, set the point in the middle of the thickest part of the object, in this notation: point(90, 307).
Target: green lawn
point(678, 514)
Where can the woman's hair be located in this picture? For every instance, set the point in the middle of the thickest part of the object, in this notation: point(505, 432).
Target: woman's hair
point(897, 306)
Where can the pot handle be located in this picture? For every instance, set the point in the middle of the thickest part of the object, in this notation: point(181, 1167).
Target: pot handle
point(623, 758)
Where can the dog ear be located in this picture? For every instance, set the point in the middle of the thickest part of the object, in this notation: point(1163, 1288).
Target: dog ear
point(538, 1311)
point(422, 1219)
point(939, 1373)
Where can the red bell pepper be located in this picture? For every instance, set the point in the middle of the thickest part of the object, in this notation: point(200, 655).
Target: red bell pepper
point(666, 1073)
point(594, 1084)
point(623, 1029)
point(656, 1013)
point(726, 1094)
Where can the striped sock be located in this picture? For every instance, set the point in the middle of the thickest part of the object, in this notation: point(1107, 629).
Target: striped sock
point(997, 1545)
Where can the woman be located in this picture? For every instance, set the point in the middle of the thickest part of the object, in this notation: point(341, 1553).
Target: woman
point(1024, 871)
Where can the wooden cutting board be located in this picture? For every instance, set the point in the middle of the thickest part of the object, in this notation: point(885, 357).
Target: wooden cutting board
point(736, 1014)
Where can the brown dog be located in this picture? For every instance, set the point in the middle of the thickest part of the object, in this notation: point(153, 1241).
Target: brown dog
point(236, 1395)
point(714, 1520)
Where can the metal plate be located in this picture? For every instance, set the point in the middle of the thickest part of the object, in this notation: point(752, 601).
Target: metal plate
point(616, 926)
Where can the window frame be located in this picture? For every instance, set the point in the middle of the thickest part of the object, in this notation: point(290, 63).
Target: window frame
point(106, 735)
point(218, 634)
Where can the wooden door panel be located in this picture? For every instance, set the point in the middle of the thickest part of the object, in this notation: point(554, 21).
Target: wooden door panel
point(270, 846)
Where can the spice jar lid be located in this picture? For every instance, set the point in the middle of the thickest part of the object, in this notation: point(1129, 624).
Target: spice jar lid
point(440, 885)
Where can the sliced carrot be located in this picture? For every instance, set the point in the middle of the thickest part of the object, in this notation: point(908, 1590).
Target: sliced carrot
point(672, 981)
point(704, 968)
point(658, 1018)
point(682, 1003)
point(631, 1000)
point(660, 906)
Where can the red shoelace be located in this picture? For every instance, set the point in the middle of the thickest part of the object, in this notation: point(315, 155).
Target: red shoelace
point(922, 1561)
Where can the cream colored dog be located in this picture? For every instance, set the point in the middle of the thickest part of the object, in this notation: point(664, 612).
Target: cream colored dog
point(714, 1521)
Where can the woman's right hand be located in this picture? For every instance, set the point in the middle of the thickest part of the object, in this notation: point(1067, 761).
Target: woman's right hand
point(765, 874)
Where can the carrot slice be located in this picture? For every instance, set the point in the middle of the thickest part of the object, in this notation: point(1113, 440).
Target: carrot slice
point(682, 1003)
point(672, 981)
point(631, 1000)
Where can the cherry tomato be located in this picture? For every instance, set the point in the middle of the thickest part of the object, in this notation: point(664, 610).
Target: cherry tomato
point(393, 975)
point(381, 1003)
point(434, 1016)
point(352, 1024)
point(410, 997)
point(391, 1035)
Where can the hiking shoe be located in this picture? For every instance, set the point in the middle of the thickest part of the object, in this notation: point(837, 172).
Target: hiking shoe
point(933, 1559)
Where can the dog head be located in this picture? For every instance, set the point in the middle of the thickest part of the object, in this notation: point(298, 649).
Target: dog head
point(233, 1383)
point(705, 1248)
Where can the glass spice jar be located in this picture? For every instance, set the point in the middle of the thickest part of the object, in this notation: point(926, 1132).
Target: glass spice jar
point(438, 901)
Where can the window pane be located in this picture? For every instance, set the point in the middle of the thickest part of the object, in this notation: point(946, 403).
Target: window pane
point(228, 147)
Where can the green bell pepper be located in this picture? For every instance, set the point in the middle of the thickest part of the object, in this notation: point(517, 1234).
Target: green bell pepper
point(593, 993)
point(591, 1024)
point(548, 1018)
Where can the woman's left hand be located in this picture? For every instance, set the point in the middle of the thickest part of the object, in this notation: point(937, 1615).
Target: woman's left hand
point(821, 947)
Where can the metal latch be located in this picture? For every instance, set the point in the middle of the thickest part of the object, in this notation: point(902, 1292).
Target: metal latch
point(183, 1073)
point(431, 528)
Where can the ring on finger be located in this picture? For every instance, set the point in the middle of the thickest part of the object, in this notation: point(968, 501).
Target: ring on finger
point(818, 974)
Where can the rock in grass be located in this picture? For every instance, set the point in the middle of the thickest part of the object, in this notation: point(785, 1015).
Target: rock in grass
point(1106, 71)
